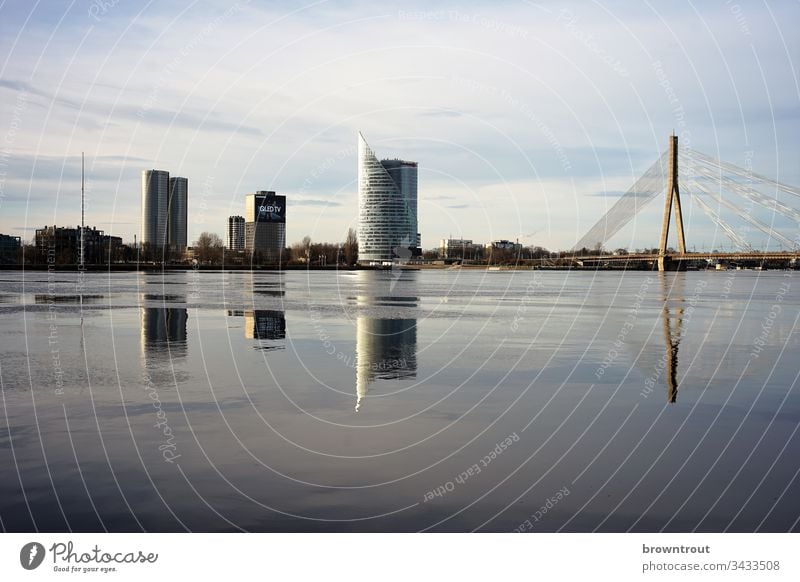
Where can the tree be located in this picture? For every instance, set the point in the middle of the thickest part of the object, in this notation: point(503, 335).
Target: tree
point(301, 251)
point(208, 248)
point(351, 247)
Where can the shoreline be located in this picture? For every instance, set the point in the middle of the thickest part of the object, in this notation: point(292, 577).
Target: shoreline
point(123, 268)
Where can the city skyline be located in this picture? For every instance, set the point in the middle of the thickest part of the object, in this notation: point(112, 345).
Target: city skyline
point(508, 148)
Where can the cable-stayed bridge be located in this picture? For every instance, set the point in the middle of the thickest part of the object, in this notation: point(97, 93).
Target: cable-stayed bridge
point(713, 186)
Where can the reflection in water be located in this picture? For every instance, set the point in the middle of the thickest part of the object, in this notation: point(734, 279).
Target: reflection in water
point(163, 328)
point(44, 299)
point(264, 324)
point(672, 335)
point(267, 284)
point(386, 348)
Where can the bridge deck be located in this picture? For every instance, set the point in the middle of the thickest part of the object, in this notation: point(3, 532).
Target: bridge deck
point(695, 257)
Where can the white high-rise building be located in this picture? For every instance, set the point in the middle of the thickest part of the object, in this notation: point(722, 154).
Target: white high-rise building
point(387, 208)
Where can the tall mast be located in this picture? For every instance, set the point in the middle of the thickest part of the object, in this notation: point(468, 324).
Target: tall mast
point(82, 215)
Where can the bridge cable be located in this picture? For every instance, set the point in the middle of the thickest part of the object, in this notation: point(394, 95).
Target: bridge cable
point(727, 229)
point(771, 232)
point(644, 190)
point(741, 172)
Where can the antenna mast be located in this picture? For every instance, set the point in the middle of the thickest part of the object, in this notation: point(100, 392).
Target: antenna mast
point(83, 228)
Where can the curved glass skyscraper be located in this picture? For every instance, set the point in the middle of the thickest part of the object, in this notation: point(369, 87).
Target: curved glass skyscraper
point(387, 207)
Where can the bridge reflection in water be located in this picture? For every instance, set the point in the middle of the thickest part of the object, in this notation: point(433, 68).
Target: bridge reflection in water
point(672, 291)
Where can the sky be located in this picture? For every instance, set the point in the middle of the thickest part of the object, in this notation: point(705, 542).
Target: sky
point(528, 119)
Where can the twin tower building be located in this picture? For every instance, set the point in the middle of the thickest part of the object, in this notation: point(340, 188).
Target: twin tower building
point(164, 210)
point(387, 213)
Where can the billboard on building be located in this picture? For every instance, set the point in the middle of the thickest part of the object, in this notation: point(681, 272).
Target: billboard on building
point(269, 208)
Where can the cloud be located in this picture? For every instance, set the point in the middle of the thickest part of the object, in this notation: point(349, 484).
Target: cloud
point(143, 112)
point(311, 202)
point(445, 113)
point(187, 119)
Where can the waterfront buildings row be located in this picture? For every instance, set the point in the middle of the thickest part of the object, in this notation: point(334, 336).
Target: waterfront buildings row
point(465, 249)
point(165, 205)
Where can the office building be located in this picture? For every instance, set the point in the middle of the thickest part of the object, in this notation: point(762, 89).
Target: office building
point(235, 241)
point(9, 243)
point(9, 248)
point(155, 206)
point(265, 225)
point(387, 208)
point(61, 245)
point(504, 245)
point(177, 213)
point(459, 248)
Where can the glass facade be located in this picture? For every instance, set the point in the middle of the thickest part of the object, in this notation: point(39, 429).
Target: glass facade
point(155, 200)
point(236, 233)
point(387, 207)
point(265, 224)
point(178, 215)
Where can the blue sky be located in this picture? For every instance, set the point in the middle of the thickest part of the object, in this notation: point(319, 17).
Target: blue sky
point(527, 118)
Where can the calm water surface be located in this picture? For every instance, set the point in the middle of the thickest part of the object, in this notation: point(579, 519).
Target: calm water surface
point(400, 401)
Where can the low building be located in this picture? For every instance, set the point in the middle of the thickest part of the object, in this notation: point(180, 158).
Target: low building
point(9, 248)
point(504, 245)
point(62, 245)
point(459, 248)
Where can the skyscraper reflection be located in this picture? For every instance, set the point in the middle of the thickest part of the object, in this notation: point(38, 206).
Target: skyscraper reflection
point(386, 347)
point(268, 326)
point(265, 324)
point(163, 329)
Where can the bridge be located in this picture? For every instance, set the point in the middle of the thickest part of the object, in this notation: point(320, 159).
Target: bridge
point(672, 258)
point(713, 185)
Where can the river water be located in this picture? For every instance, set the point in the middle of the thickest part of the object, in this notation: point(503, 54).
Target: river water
point(400, 401)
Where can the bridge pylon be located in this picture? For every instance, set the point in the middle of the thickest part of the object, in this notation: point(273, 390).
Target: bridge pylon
point(673, 197)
